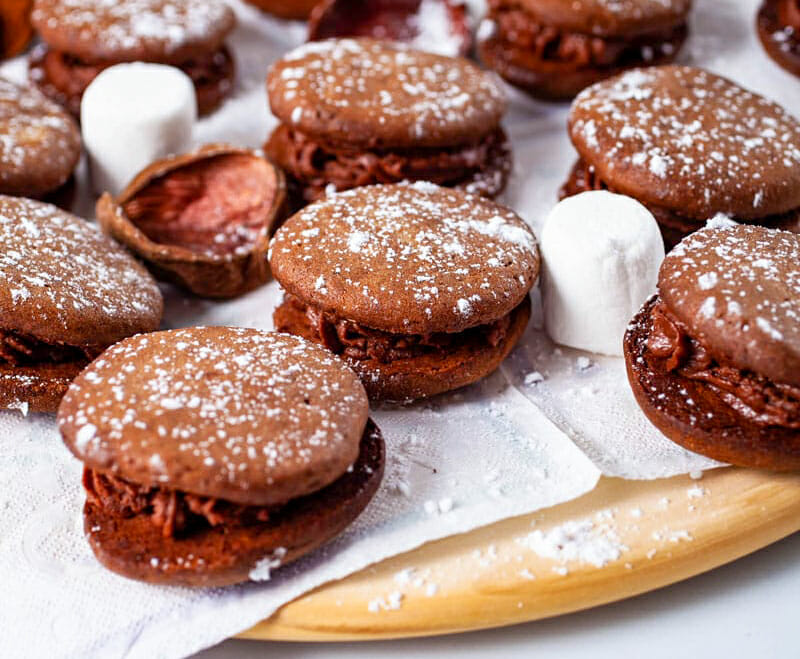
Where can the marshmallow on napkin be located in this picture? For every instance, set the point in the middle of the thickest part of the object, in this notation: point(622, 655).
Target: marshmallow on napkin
point(601, 253)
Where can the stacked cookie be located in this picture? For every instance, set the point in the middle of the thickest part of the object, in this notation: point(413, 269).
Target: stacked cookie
point(554, 48)
point(714, 359)
point(420, 288)
point(214, 455)
point(84, 37)
point(358, 112)
point(67, 292)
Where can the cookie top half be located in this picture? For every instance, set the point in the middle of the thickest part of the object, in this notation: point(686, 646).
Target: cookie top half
point(737, 289)
point(609, 18)
point(40, 144)
point(63, 282)
point(372, 94)
point(690, 141)
point(407, 258)
point(256, 418)
point(131, 30)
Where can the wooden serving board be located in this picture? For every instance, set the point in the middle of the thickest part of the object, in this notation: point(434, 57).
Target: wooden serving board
point(671, 529)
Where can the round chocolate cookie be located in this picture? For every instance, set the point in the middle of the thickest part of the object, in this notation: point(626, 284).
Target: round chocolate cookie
point(422, 289)
point(67, 293)
point(688, 144)
point(83, 37)
point(40, 145)
point(714, 359)
point(778, 25)
point(554, 48)
point(212, 454)
point(357, 112)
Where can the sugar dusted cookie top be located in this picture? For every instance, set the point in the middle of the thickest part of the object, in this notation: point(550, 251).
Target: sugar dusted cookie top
point(252, 417)
point(690, 141)
point(39, 142)
point(409, 259)
point(133, 30)
point(738, 289)
point(63, 282)
point(371, 94)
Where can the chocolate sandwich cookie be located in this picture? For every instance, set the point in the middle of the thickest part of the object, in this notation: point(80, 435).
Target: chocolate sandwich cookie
point(15, 27)
point(714, 359)
point(292, 9)
point(40, 145)
point(438, 26)
point(67, 292)
point(687, 144)
point(421, 289)
point(359, 112)
point(213, 455)
point(554, 48)
point(83, 37)
point(778, 26)
point(201, 220)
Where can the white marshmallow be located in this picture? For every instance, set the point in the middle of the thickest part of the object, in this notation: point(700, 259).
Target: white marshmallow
point(133, 114)
point(601, 254)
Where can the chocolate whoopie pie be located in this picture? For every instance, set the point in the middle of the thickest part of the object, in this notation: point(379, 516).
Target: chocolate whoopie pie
point(778, 25)
point(687, 144)
point(714, 359)
point(15, 26)
point(40, 145)
point(554, 48)
point(213, 455)
point(201, 220)
point(421, 289)
point(438, 26)
point(359, 112)
point(67, 292)
point(83, 37)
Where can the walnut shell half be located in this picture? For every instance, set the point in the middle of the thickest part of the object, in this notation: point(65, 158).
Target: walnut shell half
point(201, 220)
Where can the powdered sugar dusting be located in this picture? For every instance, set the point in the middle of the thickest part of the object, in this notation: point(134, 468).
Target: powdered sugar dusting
point(402, 249)
point(745, 277)
point(59, 273)
point(431, 98)
point(583, 541)
point(721, 148)
point(244, 406)
point(127, 26)
point(37, 140)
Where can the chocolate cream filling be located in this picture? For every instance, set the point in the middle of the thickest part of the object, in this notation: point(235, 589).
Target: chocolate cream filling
point(346, 337)
point(22, 350)
point(317, 165)
point(534, 43)
point(65, 77)
point(175, 513)
point(674, 226)
point(672, 349)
